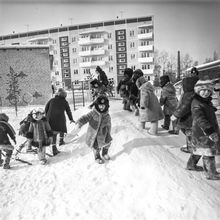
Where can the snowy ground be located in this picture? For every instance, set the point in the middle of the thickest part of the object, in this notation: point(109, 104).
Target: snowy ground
point(145, 179)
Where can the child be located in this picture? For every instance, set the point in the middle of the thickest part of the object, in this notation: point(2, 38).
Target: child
point(168, 100)
point(5, 144)
point(150, 109)
point(99, 130)
point(23, 130)
point(40, 133)
point(205, 130)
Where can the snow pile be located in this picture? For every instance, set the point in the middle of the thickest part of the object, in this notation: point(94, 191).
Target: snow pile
point(145, 179)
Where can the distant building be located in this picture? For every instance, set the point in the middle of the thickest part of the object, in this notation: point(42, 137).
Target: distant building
point(112, 45)
point(33, 61)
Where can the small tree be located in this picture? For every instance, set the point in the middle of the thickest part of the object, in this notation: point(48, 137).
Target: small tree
point(13, 88)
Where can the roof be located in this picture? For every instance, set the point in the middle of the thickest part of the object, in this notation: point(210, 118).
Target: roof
point(28, 46)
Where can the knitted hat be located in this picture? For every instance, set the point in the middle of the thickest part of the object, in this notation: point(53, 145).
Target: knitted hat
point(194, 71)
point(204, 84)
point(164, 80)
point(137, 73)
point(4, 117)
point(99, 69)
point(140, 81)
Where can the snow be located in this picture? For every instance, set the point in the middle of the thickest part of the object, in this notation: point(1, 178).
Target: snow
point(145, 178)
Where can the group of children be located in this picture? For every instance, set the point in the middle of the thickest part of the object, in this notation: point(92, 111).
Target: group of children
point(195, 115)
point(194, 112)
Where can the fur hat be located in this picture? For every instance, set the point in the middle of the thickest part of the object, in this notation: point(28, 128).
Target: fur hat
point(128, 72)
point(4, 117)
point(61, 92)
point(140, 81)
point(164, 80)
point(204, 84)
point(194, 71)
point(98, 69)
point(102, 100)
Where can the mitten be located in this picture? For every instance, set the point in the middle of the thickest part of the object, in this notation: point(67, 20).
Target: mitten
point(214, 137)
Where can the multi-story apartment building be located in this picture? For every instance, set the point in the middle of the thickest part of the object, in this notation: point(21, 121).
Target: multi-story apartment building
point(112, 45)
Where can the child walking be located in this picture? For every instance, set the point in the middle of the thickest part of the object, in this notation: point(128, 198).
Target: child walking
point(205, 130)
point(40, 134)
point(99, 129)
point(5, 144)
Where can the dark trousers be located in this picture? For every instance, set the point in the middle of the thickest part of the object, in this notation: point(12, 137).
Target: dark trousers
point(167, 120)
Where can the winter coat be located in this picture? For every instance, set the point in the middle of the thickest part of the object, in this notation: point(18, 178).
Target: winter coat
point(150, 109)
point(5, 130)
point(204, 124)
point(99, 128)
point(123, 87)
point(55, 112)
point(133, 92)
point(183, 110)
point(39, 132)
point(168, 99)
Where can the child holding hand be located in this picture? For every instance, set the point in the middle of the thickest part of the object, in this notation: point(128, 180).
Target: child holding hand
point(99, 129)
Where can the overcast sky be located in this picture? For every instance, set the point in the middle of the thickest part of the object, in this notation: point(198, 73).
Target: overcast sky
point(189, 26)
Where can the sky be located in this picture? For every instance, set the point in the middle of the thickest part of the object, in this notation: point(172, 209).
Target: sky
point(145, 178)
point(191, 27)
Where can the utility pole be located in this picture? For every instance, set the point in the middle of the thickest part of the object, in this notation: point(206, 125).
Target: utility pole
point(178, 66)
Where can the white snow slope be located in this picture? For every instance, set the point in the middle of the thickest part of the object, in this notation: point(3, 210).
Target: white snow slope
point(144, 180)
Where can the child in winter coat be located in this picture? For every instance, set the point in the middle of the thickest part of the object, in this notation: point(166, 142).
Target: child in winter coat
point(40, 134)
point(5, 144)
point(205, 130)
point(123, 88)
point(168, 100)
point(150, 109)
point(99, 129)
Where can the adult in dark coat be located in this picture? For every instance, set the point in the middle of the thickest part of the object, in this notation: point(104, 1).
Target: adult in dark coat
point(55, 111)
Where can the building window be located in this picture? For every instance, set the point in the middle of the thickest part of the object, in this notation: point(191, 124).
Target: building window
point(74, 50)
point(131, 33)
point(74, 39)
point(57, 73)
point(121, 32)
point(121, 44)
point(66, 65)
point(64, 44)
point(122, 67)
point(121, 49)
point(111, 69)
point(54, 41)
point(75, 71)
point(109, 35)
point(64, 39)
point(121, 55)
point(132, 56)
point(121, 37)
point(121, 60)
point(65, 60)
point(86, 71)
point(110, 46)
point(132, 45)
point(75, 60)
point(65, 54)
point(110, 58)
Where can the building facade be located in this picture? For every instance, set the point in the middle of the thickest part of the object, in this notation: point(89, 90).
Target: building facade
point(32, 64)
point(112, 45)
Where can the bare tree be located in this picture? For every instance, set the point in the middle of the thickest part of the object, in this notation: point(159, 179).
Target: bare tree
point(13, 87)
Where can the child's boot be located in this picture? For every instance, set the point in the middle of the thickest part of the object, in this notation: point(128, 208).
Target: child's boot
point(7, 162)
point(1, 160)
point(154, 128)
point(55, 150)
point(192, 163)
point(210, 168)
point(98, 158)
point(61, 141)
point(105, 153)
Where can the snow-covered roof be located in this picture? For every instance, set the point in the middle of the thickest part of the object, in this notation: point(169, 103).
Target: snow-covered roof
point(26, 46)
point(209, 65)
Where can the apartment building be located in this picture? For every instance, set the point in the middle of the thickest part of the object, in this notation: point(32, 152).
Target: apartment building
point(77, 50)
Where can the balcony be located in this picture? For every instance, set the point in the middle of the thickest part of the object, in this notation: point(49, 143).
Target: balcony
point(93, 63)
point(145, 36)
point(146, 48)
point(145, 59)
point(89, 41)
point(92, 53)
point(148, 71)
